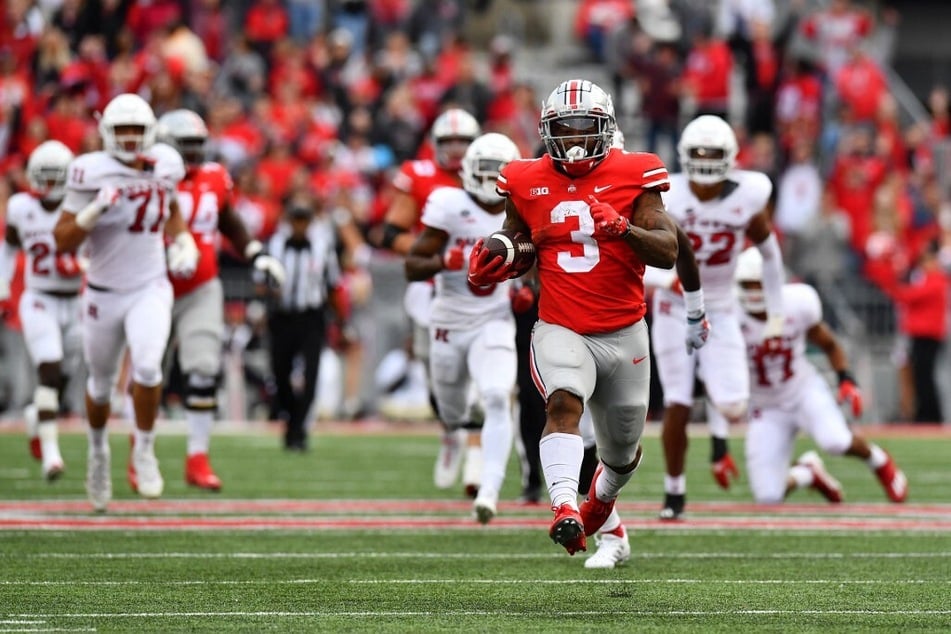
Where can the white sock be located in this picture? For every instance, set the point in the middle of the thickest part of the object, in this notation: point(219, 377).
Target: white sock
point(613, 521)
point(802, 476)
point(144, 441)
point(98, 438)
point(199, 423)
point(47, 431)
point(609, 483)
point(675, 485)
point(877, 458)
point(496, 442)
point(561, 456)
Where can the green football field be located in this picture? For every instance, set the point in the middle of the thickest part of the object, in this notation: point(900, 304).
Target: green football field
point(353, 536)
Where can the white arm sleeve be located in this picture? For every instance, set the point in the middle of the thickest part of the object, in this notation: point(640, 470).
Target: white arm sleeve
point(773, 274)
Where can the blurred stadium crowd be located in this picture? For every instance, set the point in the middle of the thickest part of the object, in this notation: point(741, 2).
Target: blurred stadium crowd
point(323, 100)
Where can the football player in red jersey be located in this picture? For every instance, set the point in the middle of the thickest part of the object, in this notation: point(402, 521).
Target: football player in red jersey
point(204, 198)
point(596, 217)
point(451, 134)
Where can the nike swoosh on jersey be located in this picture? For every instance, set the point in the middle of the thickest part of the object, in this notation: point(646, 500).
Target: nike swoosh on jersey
point(601, 188)
point(639, 359)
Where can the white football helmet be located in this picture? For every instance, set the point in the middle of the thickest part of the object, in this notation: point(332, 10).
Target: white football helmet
point(46, 170)
point(185, 131)
point(452, 132)
point(577, 125)
point(127, 109)
point(707, 149)
point(749, 269)
point(484, 159)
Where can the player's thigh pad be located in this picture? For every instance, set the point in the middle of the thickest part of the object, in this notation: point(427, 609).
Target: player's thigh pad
point(71, 326)
point(675, 368)
point(820, 416)
point(449, 374)
point(619, 402)
point(147, 326)
point(723, 366)
point(491, 358)
point(770, 440)
point(41, 331)
point(199, 328)
point(103, 317)
point(561, 360)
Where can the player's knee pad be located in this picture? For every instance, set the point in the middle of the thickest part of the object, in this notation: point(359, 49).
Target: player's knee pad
point(835, 446)
point(496, 404)
point(201, 392)
point(46, 398)
point(734, 412)
point(147, 375)
point(99, 389)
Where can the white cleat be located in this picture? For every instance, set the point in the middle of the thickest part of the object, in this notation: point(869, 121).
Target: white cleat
point(53, 465)
point(485, 507)
point(53, 468)
point(612, 551)
point(449, 460)
point(98, 478)
point(149, 478)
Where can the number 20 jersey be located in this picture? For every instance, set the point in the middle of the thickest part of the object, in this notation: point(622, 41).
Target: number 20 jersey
point(46, 269)
point(590, 283)
point(126, 246)
point(717, 228)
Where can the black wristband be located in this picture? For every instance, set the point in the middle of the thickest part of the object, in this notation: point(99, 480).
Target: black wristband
point(390, 233)
point(845, 375)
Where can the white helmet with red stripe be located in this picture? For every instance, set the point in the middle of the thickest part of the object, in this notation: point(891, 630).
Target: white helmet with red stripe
point(749, 281)
point(577, 125)
point(707, 149)
point(452, 133)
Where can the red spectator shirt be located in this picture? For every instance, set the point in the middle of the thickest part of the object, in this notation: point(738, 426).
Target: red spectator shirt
point(591, 284)
point(202, 194)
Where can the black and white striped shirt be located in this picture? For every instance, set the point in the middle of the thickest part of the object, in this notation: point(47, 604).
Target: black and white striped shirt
point(311, 265)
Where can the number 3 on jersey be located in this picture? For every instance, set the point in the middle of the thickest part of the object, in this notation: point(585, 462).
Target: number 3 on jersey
point(571, 212)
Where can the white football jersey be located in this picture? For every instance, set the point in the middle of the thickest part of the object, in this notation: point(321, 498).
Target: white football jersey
point(126, 246)
point(779, 368)
point(457, 304)
point(717, 228)
point(46, 268)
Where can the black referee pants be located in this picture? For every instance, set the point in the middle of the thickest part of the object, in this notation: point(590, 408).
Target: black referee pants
point(296, 333)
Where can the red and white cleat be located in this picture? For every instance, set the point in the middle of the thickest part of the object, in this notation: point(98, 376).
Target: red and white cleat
point(822, 481)
point(567, 529)
point(893, 481)
point(198, 473)
point(594, 513)
point(724, 471)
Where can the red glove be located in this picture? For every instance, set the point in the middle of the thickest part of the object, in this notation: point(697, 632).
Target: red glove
point(849, 392)
point(607, 220)
point(522, 298)
point(484, 269)
point(453, 259)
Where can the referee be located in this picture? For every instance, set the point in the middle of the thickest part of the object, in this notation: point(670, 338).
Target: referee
point(298, 317)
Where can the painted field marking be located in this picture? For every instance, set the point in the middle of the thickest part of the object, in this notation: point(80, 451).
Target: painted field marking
point(555, 554)
point(444, 613)
point(552, 582)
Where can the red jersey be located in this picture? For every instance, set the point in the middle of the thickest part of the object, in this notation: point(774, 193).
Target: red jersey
point(590, 284)
point(420, 177)
point(201, 196)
